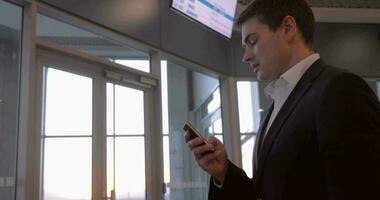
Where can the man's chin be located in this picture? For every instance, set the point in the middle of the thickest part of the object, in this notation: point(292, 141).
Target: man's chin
point(261, 76)
point(264, 77)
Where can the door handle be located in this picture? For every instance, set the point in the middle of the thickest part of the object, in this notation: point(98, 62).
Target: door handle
point(112, 197)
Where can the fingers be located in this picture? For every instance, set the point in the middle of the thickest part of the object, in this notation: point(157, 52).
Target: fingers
point(202, 150)
point(214, 141)
point(194, 142)
point(208, 158)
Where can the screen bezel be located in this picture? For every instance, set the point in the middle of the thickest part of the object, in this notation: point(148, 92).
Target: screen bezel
point(204, 25)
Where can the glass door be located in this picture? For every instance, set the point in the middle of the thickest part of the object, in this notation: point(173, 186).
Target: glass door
point(125, 143)
point(93, 141)
point(67, 135)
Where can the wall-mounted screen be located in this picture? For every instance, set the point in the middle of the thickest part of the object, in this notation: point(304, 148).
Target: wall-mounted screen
point(216, 14)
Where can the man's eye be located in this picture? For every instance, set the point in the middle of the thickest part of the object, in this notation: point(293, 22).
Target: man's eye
point(252, 43)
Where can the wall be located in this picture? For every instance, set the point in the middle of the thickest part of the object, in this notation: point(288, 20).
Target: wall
point(154, 23)
point(139, 19)
point(351, 46)
point(355, 47)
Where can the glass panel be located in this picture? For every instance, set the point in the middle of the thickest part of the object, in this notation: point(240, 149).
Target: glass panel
point(166, 166)
point(76, 38)
point(249, 108)
point(219, 137)
point(68, 103)
point(128, 110)
point(142, 65)
point(247, 144)
point(67, 169)
point(215, 102)
point(110, 108)
point(129, 167)
point(164, 93)
point(245, 106)
point(217, 125)
point(165, 127)
point(10, 42)
point(110, 165)
point(186, 103)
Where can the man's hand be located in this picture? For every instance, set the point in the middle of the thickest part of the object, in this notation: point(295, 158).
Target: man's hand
point(211, 157)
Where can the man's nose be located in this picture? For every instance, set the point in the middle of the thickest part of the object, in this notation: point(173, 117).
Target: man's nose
point(248, 55)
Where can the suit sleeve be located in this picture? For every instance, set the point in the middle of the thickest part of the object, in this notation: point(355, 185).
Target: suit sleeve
point(237, 185)
point(348, 131)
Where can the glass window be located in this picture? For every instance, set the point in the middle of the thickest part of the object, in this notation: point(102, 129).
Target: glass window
point(247, 145)
point(249, 106)
point(73, 37)
point(165, 127)
point(67, 135)
point(249, 120)
point(215, 102)
point(187, 97)
point(67, 168)
point(125, 142)
point(142, 65)
point(67, 93)
point(10, 42)
point(126, 167)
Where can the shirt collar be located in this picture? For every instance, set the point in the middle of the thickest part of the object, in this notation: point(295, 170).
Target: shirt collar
point(292, 76)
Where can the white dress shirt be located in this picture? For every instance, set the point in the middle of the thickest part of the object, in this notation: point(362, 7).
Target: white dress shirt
point(280, 89)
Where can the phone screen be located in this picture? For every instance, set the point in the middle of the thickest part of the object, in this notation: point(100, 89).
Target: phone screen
point(194, 133)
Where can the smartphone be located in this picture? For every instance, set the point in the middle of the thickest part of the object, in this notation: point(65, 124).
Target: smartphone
point(194, 133)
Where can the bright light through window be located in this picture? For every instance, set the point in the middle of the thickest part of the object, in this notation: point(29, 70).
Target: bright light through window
point(67, 169)
point(125, 142)
point(249, 107)
point(128, 111)
point(164, 92)
point(245, 106)
point(218, 129)
point(129, 167)
point(249, 116)
point(68, 103)
point(247, 142)
point(165, 125)
point(166, 160)
point(142, 65)
point(215, 102)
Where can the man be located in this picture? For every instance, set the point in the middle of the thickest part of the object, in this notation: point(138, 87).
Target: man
point(321, 137)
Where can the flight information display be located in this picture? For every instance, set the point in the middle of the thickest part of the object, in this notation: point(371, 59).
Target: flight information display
point(216, 14)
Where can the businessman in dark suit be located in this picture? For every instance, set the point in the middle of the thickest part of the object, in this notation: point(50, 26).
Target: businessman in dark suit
point(320, 138)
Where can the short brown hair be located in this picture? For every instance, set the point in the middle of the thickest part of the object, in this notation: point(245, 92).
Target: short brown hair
point(272, 12)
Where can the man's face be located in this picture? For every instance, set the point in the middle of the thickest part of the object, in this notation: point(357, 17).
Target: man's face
point(266, 51)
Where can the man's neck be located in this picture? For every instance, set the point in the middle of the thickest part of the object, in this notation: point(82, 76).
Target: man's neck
point(298, 55)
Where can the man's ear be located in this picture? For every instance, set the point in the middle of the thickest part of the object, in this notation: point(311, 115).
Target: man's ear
point(289, 26)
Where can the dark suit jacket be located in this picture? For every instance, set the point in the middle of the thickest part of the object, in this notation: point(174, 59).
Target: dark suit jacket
point(323, 144)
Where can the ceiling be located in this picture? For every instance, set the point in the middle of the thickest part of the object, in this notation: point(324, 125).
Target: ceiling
point(338, 11)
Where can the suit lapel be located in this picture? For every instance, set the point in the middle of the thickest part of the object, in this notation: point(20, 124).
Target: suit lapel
point(296, 95)
point(258, 139)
